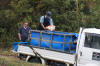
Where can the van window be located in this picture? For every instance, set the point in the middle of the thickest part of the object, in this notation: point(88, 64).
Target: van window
point(92, 40)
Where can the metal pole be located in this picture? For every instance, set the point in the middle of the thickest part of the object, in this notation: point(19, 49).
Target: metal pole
point(51, 40)
point(40, 38)
point(64, 43)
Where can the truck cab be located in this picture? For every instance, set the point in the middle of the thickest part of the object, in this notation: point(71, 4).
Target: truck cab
point(88, 47)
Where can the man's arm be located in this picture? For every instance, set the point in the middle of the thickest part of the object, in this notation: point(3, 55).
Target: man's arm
point(43, 26)
point(19, 36)
point(42, 21)
point(52, 25)
point(19, 31)
point(51, 21)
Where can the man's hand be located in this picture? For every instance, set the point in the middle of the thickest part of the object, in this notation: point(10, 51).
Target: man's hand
point(43, 26)
point(46, 28)
point(19, 36)
point(51, 27)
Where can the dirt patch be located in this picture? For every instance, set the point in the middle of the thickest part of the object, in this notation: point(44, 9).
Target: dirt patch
point(6, 56)
point(7, 52)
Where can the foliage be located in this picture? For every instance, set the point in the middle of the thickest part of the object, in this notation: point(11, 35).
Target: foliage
point(68, 15)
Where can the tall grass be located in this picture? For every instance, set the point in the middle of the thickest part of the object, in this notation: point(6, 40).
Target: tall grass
point(9, 61)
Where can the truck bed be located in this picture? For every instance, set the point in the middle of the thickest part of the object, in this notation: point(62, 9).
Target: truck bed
point(51, 45)
point(47, 54)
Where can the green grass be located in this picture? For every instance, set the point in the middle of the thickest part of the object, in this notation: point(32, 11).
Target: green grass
point(11, 61)
point(7, 58)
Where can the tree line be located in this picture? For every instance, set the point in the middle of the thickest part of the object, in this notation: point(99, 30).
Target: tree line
point(68, 15)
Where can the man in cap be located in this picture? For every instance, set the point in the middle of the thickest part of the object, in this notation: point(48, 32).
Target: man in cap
point(46, 22)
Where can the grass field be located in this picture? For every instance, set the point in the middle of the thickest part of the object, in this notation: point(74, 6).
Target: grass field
point(7, 58)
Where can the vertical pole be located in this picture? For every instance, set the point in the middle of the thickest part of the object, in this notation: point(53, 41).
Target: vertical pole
point(51, 40)
point(70, 44)
point(64, 42)
point(40, 38)
point(30, 35)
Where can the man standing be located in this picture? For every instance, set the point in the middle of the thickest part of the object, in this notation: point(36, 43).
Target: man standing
point(46, 21)
point(23, 33)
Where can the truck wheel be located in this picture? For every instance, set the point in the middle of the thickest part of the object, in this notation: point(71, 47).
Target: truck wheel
point(20, 56)
point(69, 65)
point(55, 63)
point(34, 60)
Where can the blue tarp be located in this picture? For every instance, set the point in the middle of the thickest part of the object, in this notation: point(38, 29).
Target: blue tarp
point(45, 42)
point(15, 45)
point(57, 40)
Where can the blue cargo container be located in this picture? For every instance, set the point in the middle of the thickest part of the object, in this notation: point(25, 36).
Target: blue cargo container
point(60, 41)
point(53, 40)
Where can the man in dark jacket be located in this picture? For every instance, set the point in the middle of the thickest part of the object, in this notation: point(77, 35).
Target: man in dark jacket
point(23, 33)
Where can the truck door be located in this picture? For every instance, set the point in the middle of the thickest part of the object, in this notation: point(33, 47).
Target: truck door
point(89, 49)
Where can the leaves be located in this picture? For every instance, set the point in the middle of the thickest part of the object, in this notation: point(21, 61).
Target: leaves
point(68, 15)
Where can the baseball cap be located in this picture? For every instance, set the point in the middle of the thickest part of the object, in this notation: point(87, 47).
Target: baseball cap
point(48, 13)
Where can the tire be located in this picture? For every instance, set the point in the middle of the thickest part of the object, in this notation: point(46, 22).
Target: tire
point(34, 60)
point(54, 63)
point(20, 56)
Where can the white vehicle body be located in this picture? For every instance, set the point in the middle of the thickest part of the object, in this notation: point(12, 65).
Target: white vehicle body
point(52, 55)
point(89, 47)
point(85, 55)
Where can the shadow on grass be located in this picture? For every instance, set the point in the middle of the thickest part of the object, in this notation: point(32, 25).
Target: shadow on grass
point(10, 61)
